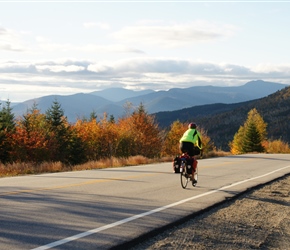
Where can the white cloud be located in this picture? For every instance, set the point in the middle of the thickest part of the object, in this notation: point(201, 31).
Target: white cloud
point(268, 68)
point(173, 35)
point(135, 73)
point(60, 68)
point(10, 41)
point(115, 48)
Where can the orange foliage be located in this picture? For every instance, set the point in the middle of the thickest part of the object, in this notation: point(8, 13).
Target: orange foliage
point(31, 140)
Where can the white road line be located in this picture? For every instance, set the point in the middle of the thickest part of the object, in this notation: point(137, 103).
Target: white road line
point(120, 222)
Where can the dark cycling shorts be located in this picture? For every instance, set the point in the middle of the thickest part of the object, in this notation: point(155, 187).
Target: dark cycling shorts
point(189, 148)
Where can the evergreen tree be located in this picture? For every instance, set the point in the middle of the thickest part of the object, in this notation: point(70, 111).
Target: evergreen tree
point(68, 146)
point(112, 119)
point(55, 114)
point(256, 118)
point(93, 116)
point(251, 135)
point(75, 149)
point(58, 127)
point(7, 128)
point(252, 139)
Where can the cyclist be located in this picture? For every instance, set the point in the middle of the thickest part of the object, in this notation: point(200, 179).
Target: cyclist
point(191, 144)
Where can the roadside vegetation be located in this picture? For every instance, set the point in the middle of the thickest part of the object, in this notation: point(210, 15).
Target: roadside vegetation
point(40, 143)
point(252, 137)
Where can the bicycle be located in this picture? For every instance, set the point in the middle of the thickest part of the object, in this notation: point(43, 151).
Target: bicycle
point(186, 171)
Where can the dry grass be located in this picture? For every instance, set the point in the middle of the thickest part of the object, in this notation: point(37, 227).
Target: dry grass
point(23, 168)
point(216, 153)
point(277, 146)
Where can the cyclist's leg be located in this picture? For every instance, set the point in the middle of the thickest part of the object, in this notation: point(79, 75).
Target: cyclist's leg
point(196, 151)
point(191, 154)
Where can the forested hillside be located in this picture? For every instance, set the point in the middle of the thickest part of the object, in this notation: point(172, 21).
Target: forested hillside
point(222, 121)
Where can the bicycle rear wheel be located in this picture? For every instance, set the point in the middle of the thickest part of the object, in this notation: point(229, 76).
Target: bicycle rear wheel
point(195, 177)
point(183, 178)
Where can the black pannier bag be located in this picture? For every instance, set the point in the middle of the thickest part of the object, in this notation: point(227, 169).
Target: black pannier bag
point(189, 165)
point(176, 164)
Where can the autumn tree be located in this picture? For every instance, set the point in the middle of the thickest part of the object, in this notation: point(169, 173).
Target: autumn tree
point(236, 146)
point(142, 132)
point(126, 142)
point(171, 141)
point(89, 132)
point(207, 143)
point(108, 138)
point(251, 136)
point(31, 140)
point(148, 140)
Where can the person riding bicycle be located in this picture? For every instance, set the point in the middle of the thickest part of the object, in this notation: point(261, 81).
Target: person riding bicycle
point(191, 144)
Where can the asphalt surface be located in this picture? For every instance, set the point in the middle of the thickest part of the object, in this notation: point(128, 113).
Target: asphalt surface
point(101, 209)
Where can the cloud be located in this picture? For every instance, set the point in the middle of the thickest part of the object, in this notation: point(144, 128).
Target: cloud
point(267, 68)
point(9, 41)
point(71, 76)
point(137, 71)
point(175, 35)
point(60, 68)
point(86, 48)
point(139, 66)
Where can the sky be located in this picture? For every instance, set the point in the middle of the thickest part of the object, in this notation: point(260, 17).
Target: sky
point(68, 47)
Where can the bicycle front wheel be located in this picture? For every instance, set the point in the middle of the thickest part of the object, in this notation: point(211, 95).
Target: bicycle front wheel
point(183, 178)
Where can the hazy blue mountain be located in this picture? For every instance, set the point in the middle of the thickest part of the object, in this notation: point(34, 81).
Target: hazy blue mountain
point(177, 98)
point(112, 101)
point(119, 94)
point(74, 106)
point(222, 121)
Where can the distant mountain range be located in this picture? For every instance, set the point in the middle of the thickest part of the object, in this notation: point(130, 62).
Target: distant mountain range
point(112, 101)
point(222, 121)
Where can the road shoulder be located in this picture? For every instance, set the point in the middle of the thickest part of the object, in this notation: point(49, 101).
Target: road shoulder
point(257, 219)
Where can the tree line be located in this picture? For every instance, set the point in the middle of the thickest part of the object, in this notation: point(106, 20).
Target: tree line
point(49, 137)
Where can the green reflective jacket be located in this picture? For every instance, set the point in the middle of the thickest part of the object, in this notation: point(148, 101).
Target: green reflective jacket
point(192, 135)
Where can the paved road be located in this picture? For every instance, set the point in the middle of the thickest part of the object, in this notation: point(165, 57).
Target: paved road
point(99, 209)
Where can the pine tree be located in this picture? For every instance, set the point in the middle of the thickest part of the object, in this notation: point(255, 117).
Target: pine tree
point(251, 135)
point(254, 116)
point(55, 115)
point(7, 128)
point(252, 141)
point(58, 127)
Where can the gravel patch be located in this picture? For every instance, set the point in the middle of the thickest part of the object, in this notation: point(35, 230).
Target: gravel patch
point(257, 219)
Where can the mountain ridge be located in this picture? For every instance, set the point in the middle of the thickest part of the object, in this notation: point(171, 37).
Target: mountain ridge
point(81, 105)
point(222, 121)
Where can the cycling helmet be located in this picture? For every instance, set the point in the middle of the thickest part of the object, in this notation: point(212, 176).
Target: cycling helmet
point(192, 125)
